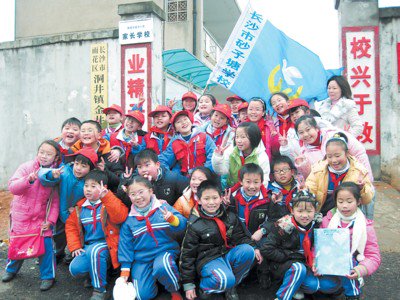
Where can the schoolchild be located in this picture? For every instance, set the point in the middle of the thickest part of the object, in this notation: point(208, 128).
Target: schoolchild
point(289, 248)
point(92, 232)
point(242, 112)
point(219, 125)
point(280, 103)
point(189, 101)
point(366, 256)
point(28, 210)
point(71, 179)
point(234, 102)
point(130, 139)
point(247, 148)
point(70, 131)
point(205, 105)
point(148, 250)
point(215, 248)
point(161, 132)
point(188, 200)
point(339, 166)
point(114, 117)
point(188, 148)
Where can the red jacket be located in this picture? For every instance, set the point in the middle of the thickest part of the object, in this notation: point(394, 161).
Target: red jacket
point(152, 143)
point(113, 212)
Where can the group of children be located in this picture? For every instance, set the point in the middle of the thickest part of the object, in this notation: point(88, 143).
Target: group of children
point(198, 202)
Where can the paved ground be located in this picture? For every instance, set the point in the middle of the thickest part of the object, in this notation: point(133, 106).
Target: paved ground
point(384, 284)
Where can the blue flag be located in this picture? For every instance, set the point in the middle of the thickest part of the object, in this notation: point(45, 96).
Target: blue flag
point(259, 60)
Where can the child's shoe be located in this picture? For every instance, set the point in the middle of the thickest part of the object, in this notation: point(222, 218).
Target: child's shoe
point(298, 295)
point(8, 276)
point(97, 295)
point(231, 294)
point(46, 284)
point(176, 296)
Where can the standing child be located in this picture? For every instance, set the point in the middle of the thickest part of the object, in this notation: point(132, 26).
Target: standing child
point(280, 103)
point(114, 116)
point(242, 112)
point(215, 247)
point(204, 108)
point(147, 249)
point(247, 148)
point(28, 210)
point(189, 102)
point(289, 247)
point(70, 131)
point(92, 232)
point(187, 149)
point(364, 244)
point(188, 200)
point(161, 132)
point(234, 102)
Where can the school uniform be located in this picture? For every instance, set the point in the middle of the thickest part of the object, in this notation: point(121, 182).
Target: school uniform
point(216, 249)
point(148, 249)
point(157, 139)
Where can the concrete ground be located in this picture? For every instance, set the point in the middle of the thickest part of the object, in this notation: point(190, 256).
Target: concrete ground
point(384, 284)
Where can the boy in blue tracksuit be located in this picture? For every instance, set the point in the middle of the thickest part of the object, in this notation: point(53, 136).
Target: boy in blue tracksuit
point(188, 148)
point(71, 179)
point(147, 249)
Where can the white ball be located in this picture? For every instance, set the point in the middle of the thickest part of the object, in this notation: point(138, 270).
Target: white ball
point(123, 290)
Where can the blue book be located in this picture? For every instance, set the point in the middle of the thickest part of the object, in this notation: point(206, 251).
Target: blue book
point(332, 251)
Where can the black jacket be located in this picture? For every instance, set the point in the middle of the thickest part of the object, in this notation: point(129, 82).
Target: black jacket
point(203, 241)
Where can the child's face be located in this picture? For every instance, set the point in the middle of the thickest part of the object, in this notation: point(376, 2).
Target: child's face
point(91, 190)
point(210, 200)
point(243, 115)
point(113, 117)
point(282, 173)
point(140, 194)
point(183, 125)
point(346, 203)
point(70, 134)
point(195, 180)
point(80, 169)
point(334, 90)
point(89, 134)
point(218, 119)
point(307, 133)
point(279, 104)
point(303, 213)
point(255, 111)
point(336, 156)
point(205, 105)
point(131, 125)
point(189, 104)
point(148, 168)
point(242, 140)
point(296, 114)
point(46, 155)
point(234, 105)
point(161, 120)
point(251, 184)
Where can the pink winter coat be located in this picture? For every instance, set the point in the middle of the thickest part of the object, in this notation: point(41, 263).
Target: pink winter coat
point(372, 253)
point(28, 207)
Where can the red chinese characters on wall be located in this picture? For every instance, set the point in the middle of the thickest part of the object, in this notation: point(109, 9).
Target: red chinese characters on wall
point(361, 62)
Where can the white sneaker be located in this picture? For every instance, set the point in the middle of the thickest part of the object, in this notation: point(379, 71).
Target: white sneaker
point(298, 295)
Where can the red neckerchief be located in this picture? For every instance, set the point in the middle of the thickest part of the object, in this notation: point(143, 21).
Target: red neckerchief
point(247, 205)
point(289, 196)
point(284, 125)
point(148, 224)
point(306, 243)
point(218, 135)
point(318, 141)
point(127, 147)
point(220, 224)
point(94, 214)
point(336, 180)
point(165, 133)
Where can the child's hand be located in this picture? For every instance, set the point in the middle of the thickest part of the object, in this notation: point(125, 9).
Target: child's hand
point(300, 181)
point(360, 180)
point(114, 155)
point(71, 210)
point(141, 99)
point(149, 177)
point(283, 141)
point(45, 226)
point(220, 149)
point(57, 172)
point(166, 213)
point(259, 257)
point(124, 278)
point(101, 165)
point(128, 172)
point(300, 160)
point(102, 190)
point(33, 176)
point(77, 252)
point(134, 143)
point(226, 198)
point(257, 235)
point(315, 271)
point(353, 275)
point(277, 197)
point(172, 103)
point(191, 294)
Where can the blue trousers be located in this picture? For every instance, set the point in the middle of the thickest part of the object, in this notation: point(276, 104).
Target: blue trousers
point(228, 271)
point(93, 261)
point(297, 276)
point(145, 275)
point(47, 262)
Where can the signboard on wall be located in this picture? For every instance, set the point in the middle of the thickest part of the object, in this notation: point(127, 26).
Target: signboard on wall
point(98, 81)
point(136, 78)
point(135, 32)
point(361, 62)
